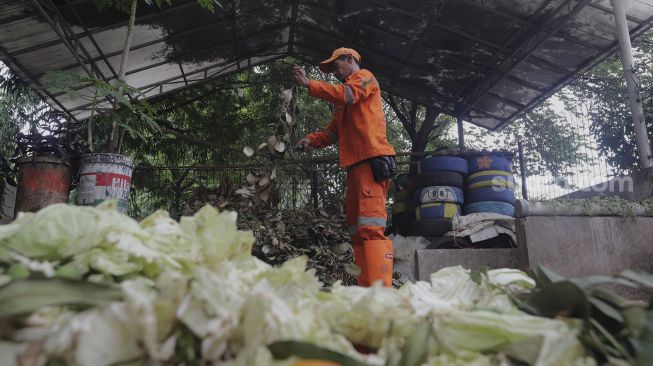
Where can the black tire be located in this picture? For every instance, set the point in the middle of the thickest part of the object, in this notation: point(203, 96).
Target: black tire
point(429, 228)
point(498, 207)
point(442, 163)
point(400, 207)
point(438, 194)
point(437, 210)
point(401, 181)
point(403, 195)
point(453, 179)
point(489, 161)
point(501, 194)
point(449, 242)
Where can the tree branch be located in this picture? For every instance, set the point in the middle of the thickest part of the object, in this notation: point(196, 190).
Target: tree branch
point(408, 124)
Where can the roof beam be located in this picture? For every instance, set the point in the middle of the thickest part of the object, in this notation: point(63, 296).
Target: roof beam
point(220, 73)
point(358, 22)
point(71, 48)
point(526, 49)
point(26, 76)
point(525, 22)
point(293, 26)
point(91, 38)
point(415, 41)
point(642, 28)
point(514, 36)
point(141, 19)
point(234, 15)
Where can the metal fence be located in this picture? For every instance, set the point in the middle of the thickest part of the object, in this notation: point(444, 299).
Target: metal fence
point(321, 183)
point(588, 169)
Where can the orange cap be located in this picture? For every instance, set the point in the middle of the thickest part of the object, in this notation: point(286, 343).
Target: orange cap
point(327, 65)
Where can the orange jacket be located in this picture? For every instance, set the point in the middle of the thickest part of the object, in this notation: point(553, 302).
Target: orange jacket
point(358, 123)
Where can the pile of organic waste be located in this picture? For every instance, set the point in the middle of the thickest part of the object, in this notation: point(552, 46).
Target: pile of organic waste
point(91, 286)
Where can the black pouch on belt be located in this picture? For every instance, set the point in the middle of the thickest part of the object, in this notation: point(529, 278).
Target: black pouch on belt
point(383, 167)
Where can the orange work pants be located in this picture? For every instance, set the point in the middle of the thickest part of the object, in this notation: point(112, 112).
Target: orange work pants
point(366, 220)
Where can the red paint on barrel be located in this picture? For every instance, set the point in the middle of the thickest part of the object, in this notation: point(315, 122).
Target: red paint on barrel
point(42, 182)
point(109, 179)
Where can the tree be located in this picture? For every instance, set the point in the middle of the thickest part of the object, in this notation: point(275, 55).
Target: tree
point(604, 90)
point(425, 126)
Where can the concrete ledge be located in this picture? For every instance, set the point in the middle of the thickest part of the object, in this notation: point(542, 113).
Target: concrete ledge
point(432, 260)
point(575, 246)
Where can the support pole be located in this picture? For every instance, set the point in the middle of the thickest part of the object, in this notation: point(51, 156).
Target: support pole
point(522, 169)
point(461, 134)
point(639, 123)
point(314, 188)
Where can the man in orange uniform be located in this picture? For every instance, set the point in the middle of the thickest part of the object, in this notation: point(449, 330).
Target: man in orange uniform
point(359, 127)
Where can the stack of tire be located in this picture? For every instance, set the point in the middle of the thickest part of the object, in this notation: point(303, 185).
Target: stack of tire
point(490, 185)
point(403, 209)
point(438, 194)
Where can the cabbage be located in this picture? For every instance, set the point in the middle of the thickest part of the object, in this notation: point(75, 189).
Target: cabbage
point(193, 293)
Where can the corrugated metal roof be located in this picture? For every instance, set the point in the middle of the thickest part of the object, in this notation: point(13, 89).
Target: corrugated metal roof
point(487, 61)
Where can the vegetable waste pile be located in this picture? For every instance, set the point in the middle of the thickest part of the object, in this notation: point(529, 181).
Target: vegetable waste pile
point(91, 286)
point(282, 234)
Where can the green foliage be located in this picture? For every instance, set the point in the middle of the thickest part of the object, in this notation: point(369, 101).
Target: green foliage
point(209, 124)
point(552, 144)
point(604, 90)
point(615, 330)
point(136, 118)
point(19, 105)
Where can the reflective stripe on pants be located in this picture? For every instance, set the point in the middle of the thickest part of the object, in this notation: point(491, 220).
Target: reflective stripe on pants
point(366, 220)
point(365, 206)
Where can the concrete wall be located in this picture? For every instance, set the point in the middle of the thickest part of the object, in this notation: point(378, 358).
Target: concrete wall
point(576, 246)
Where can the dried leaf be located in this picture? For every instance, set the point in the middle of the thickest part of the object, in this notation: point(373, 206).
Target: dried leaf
point(266, 249)
point(251, 178)
point(280, 147)
point(244, 192)
point(352, 269)
point(262, 146)
point(324, 214)
point(248, 151)
point(265, 195)
point(289, 119)
point(342, 248)
point(273, 173)
point(272, 143)
point(265, 180)
point(286, 96)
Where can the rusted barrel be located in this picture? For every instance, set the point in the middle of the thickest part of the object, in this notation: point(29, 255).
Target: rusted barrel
point(42, 181)
point(105, 176)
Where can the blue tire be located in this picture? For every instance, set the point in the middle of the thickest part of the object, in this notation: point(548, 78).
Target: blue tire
point(501, 194)
point(442, 164)
point(488, 161)
point(502, 208)
point(437, 210)
point(489, 178)
point(438, 194)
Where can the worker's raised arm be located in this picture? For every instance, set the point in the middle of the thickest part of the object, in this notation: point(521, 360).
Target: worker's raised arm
point(325, 137)
point(358, 87)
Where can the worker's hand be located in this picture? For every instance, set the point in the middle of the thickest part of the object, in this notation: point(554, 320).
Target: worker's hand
point(299, 76)
point(304, 144)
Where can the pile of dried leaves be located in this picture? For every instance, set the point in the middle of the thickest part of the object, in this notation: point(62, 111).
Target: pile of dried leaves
point(281, 234)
